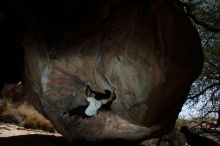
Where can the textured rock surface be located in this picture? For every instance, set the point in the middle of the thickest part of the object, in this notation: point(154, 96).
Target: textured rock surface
point(148, 51)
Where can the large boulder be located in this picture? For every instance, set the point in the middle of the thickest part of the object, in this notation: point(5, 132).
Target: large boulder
point(148, 51)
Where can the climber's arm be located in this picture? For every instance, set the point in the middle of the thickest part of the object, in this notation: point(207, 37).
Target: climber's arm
point(111, 96)
point(86, 91)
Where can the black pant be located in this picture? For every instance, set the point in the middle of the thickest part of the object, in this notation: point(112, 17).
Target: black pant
point(79, 111)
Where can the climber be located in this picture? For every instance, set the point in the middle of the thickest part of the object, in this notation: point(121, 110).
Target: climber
point(96, 101)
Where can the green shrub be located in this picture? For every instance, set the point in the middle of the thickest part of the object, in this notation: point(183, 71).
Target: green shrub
point(181, 122)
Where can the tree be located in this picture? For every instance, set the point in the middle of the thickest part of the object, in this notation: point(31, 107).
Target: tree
point(207, 87)
point(205, 91)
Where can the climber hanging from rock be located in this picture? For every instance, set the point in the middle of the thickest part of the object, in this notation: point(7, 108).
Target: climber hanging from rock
point(96, 101)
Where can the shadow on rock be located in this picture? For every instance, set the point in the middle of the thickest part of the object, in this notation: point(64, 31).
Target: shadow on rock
point(49, 140)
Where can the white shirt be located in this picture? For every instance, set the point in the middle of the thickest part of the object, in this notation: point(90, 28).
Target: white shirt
point(94, 106)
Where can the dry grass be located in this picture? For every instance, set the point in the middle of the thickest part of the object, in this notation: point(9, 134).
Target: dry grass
point(24, 115)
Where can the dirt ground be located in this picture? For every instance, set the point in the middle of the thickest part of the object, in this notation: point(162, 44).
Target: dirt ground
point(8, 130)
point(13, 135)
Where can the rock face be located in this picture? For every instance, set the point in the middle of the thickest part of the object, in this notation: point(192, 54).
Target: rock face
point(148, 51)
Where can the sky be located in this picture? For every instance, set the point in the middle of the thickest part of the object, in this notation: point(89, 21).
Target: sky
point(189, 113)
